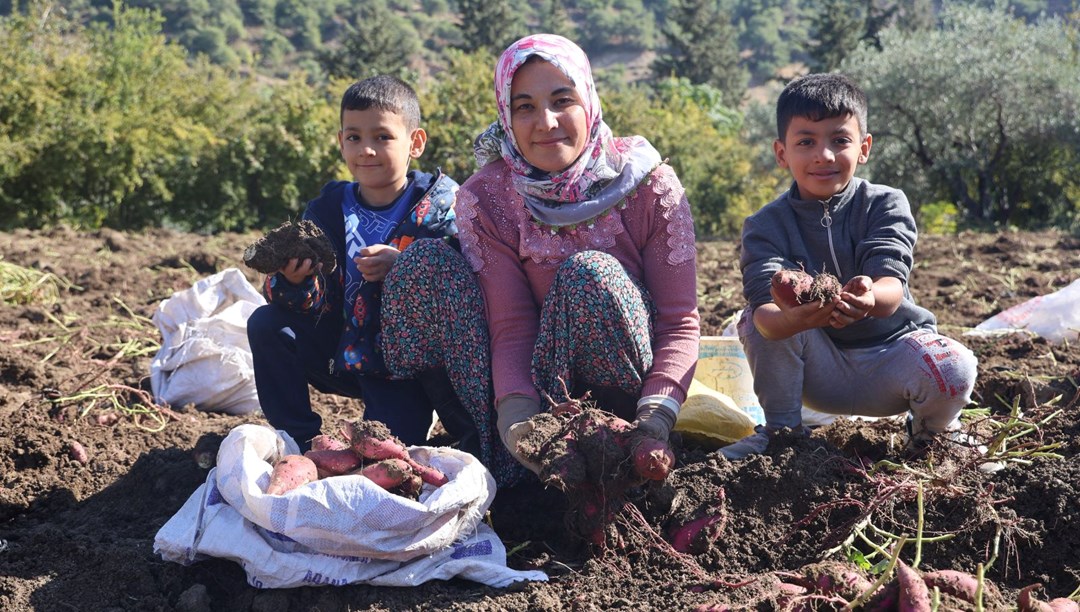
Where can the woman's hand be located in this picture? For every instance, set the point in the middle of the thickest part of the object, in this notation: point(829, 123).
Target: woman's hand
point(514, 412)
point(296, 270)
point(375, 261)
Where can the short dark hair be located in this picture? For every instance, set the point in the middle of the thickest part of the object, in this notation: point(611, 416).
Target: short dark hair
point(820, 96)
point(384, 92)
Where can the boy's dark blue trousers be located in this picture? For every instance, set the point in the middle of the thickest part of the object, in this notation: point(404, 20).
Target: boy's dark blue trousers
point(291, 351)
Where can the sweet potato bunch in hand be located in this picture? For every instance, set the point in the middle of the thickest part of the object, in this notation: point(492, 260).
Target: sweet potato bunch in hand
point(594, 457)
point(364, 448)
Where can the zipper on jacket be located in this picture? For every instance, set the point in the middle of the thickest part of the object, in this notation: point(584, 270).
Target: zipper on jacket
point(826, 222)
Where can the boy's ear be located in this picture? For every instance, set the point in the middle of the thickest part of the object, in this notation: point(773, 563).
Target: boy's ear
point(419, 141)
point(780, 153)
point(340, 140)
point(864, 149)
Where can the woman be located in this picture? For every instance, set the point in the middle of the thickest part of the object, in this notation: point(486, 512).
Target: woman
point(584, 247)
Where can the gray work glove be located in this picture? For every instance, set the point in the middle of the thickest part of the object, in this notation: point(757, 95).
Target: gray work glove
point(656, 416)
point(514, 412)
point(754, 444)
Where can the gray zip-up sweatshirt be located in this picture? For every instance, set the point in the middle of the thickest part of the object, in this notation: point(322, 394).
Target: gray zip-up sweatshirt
point(866, 229)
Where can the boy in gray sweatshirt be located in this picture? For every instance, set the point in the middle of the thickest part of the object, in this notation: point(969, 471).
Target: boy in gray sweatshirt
point(870, 350)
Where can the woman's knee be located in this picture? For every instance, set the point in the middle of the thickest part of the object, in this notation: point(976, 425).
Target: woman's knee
point(595, 266)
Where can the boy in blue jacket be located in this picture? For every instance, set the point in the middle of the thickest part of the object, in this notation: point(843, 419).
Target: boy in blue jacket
point(871, 350)
point(324, 329)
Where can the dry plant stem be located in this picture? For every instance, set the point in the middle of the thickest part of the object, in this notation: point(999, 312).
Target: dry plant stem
point(919, 527)
point(111, 393)
point(980, 590)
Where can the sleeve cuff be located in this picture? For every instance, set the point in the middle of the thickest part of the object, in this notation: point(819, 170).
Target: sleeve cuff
point(665, 401)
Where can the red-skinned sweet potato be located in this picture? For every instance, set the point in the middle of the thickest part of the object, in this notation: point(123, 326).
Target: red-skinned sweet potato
point(389, 474)
point(334, 462)
point(652, 459)
point(325, 442)
point(795, 287)
point(429, 474)
point(372, 440)
point(291, 472)
point(1063, 604)
point(961, 585)
point(914, 594)
point(696, 535)
point(1026, 601)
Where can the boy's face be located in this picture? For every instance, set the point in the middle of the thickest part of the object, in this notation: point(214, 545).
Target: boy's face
point(377, 148)
point(822, 155)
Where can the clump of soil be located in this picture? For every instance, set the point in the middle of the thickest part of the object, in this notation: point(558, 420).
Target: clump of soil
point(291, 240)
point(796, 287)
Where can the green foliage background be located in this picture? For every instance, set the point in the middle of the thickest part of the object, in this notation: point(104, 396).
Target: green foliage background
point(218, 115)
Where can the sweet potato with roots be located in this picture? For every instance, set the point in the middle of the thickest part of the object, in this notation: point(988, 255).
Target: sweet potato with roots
point(589, 454)
point(1027, 602)
point(290, 472)
point(698, 534)
point(795, 287)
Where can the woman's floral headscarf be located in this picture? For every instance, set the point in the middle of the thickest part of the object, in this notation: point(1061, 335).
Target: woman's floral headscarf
point(603, 174)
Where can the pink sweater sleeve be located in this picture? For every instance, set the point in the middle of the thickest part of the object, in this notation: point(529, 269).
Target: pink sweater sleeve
point(664, 230)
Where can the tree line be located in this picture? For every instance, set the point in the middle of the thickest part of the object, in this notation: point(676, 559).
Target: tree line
point(109, 118)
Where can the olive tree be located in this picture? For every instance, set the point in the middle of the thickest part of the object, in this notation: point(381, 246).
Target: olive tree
point(981, 113)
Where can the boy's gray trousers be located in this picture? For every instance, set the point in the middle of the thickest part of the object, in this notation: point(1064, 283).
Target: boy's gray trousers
point(924, 373)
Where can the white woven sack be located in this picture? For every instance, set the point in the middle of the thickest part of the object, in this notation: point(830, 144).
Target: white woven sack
point(205, 358)
point(209, 526)
point(351, 515)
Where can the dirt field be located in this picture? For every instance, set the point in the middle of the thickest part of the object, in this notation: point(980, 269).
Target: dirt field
point(79, 536)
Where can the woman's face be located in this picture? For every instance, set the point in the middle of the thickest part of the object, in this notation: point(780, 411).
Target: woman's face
point(547, 116)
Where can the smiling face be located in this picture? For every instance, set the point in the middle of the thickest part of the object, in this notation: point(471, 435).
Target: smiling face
point(547, 116)
point(377, 147)
point(822, 155)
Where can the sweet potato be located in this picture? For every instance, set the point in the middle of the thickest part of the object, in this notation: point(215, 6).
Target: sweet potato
point(78, 452)
point(325, 442)
point(291, 472)
point(837, 578)
point(372, 440)
point(961, 585)
point(696, 535)
point(789, 285)
point(652, 458)
point(334, 462)
point(795, 287)
point(429, 474)
point(914, 594)
point(1063, 604)
point(1026, 601)
point(389, 474)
